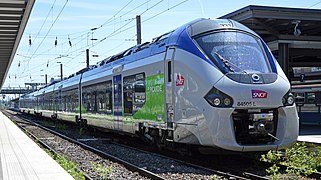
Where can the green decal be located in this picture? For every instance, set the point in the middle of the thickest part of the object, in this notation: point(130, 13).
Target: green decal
point(153, 109)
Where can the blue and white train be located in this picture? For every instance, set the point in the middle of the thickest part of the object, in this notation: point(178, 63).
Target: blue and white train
point(212, 83)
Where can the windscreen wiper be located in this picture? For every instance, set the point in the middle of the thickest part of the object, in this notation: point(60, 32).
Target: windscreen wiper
point(229, 64)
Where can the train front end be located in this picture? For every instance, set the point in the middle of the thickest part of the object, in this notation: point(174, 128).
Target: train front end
point(249, 106)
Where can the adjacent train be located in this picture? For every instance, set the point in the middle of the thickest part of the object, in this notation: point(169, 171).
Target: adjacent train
point(212, 83)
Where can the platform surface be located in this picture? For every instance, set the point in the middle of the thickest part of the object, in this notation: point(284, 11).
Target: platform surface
point(23, 159)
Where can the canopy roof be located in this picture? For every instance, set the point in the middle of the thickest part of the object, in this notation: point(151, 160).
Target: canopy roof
point(14, 15)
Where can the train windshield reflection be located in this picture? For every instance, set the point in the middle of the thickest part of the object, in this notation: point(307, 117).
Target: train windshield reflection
point(242, 50)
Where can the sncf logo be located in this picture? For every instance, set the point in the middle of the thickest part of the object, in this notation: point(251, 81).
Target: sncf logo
point(259, 94)
point(180, 80)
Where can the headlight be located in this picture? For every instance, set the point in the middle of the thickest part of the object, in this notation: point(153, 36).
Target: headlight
point(288, 99)
point(217, 101)
point(217, 98)
point(227, 101)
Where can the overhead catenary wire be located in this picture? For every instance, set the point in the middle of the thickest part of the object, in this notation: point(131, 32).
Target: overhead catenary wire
point(53, 36)
point(34, 39)
point(51, 9)
point(50, 27)
point(112, 19)
point(47, 33)
point(172, 7)
point(117, 31)
point(105, 23)
point(113, 15)
point(315, 4)
point(82, 34)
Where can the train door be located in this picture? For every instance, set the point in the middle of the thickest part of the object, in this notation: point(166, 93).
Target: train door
point(169, 86)
point(117, 80)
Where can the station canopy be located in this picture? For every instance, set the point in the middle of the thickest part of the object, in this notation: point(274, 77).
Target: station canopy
point(14, 15)
point(292, 34)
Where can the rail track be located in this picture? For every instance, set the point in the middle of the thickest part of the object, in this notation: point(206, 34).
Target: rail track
point(37, 131)
point(152, 165)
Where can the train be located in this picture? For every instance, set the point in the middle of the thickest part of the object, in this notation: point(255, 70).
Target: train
point(209, 83)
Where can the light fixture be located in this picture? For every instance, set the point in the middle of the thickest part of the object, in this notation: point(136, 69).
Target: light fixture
point(297, 31)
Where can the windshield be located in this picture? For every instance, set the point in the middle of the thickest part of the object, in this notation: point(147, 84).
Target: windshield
point(235, 52)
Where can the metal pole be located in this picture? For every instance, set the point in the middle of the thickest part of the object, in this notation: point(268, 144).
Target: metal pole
point(61, 77)
point(46, 79)
point(284, 57)
point(87, 57)
point(138, 29)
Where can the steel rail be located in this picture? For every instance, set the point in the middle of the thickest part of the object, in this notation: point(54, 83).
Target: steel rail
point(38, 140)
point(224, 171)
point(128, 165)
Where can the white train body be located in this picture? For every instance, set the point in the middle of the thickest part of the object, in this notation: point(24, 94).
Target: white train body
point(210, 83)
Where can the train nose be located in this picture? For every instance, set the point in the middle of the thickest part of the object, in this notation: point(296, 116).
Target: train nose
point(251, 95)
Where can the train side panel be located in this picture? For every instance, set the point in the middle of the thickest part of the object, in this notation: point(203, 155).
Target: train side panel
point(192, 79)
point(142, 95)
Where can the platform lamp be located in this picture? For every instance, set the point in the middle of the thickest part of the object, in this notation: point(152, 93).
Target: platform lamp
point(297, 31)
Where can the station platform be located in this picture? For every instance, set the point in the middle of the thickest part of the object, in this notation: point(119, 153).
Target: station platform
point(21, 158)
point(310, 133)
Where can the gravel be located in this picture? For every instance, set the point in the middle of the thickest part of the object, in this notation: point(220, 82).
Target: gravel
point(163, 166)
point(83, 157)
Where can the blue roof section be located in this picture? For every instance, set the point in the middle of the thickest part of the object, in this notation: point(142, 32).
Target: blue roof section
point(270, 57)
point(181, 39)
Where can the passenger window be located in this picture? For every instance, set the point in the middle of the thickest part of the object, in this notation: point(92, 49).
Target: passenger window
point(88, 98)
point(97, 98)
point(70, 100)
point(109, 102)
point(134, 92)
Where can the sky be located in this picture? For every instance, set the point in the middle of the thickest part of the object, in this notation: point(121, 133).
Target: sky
point(60, 31)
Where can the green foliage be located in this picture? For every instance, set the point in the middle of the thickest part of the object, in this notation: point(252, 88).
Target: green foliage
point(70, 166)
point(274, 171)
point(103, 171)
point(299, 161)
point(272, 157)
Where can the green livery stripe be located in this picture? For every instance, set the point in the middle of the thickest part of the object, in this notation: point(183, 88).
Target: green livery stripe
point(153, 109)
